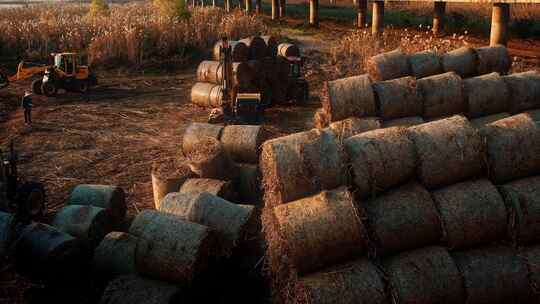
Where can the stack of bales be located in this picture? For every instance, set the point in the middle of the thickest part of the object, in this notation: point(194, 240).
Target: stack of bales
point(258, 66)
point(426, 217)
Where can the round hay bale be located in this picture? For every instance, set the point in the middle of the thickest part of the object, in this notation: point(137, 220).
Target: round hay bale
point(212, 72)
point(493, 275)
point(471, 212)
point(532, 257)
point(398, 98)
point(195, 132)
point(462, 61)
point(347, 97)
point(424, 64)
point(287, 161)
point(403, 218)
point(46, 254)
point(7, 230)
point(404, 122)
point(349, 127)
point(486, 94)
point(359, 282)
point(249, 183)
point(229, 221)
point(522, 198)
point(493, 59)
point(207, 95)
point(524, 91)
point(223, 189)
point(257, 47)
point(380, 159)
point(449, 150)
point(442, 94)
point(288, 50)
point(278, 79)
point(134, 289)
point(111, 198)
point(389, 65)
point(320, 119)
point(115, 255)
point(427, 275)
point(239, 51)
point(87, 223)
point(243, 142)
point(171, 248)
point(168, 176)
point(140, 222)
point(271, 45)
point(481, 122)
point(513, 148)
point(320, 230)
point(210, 160)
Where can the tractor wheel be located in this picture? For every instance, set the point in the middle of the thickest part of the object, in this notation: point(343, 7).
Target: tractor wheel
point(49, 89)
point(82, 86)
point(4, 81)
point(30, 200)
point(36, 86)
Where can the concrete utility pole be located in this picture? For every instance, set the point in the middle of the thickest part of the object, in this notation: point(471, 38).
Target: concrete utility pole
point(499, 24)
point(282, 8)
point(361, 11)
point(439, 11)
point(377, 19)
point(314, 13)
point(275, 9)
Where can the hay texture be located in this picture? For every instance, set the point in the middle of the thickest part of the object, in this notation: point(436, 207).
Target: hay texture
point(443, 95)
point(472, 213)
point(207, 95)
point(403, 218)
point(115, 255)
point(524, 91)
point(398, 98)
point(481, 122)
point(195, 132)
point(257, 47)
point(243, 142)
point(7, 229)
point(271, 45)
point(513, 148)
point(239, 51)
point(522, 199)
point(210, 160)
point(223, 189)
point(301, 164)
point(348, 97)
point(111, 198)
point(462, 61)
point(427, 275)
point(424, 64)
point(449, 150)
point(380, 159)
point(390, 65)
point(404, 122)
point(249, 183)
point(168, 176)
point(320, 119)
point(288, 50)
point(349, 127)
point(532, 257)
point(212, 72)
point(493, 275)
point(134, 289)
point(486, 94)
point(493, 59)
point(88, 223)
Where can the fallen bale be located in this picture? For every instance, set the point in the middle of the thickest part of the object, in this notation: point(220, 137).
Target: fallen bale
point(524, 91)
point(349, 127)
point(427, 275)
point(223, 189)
point(115, 255)
point(493, 275)
point(442, 95)
point(398, 98)
point(380, 159)
point(287, 161)
point(243, 142)
point(111, 198)
point(210, 160)
point(134, 289)
point(320, 119)
point(195, 132)
point(207, 95)
point(513, 148)
point(212, 72)
point(168, 176)
point(257, 47)
point(359, 282)
point(271, 45)
point(7, 230)
point(462, 61)
point(401, 219)
point(481, 122)
point(88, 223)
point(522, 198)
point(493, 59)
point(288, 50)
point(424, 64)
point(486, 94)
point(348, 97)
point(389, 65)
point(472, 213)
point(239, 51)
point(404, 122)
point(249, 183)
point(532, 257)
point(449, 150)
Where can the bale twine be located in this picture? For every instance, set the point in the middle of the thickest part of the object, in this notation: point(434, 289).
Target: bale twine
point(424, 64)
point(347, 97)
point(170, 248)
point(462, 61)
point(243, 142)
point(207, 95)
point(524, 91)
point(210, 160)
point(513, 148)
point(115, 255)
point(403, 218)
point(288, 50)
point(87, 223)
point(493, 275)
point(134, 289)
point(532, 257)
point(239, 51)
point(486, 94)
point(249, 183)
point(449, 150)
point(522, 198)
point(195, 132)
point(398, 98)
point(229, 221)
point(493, 59)
point(212, 72)
point(427, 275)
point(380, 159)
point(168, 176)
point(271, 45)
point(111, 198)
point(7, 229)
point(442, 95)
point(45, 254)
point(257, 47)
point(301, 164)
point(404, 122)
point(349, 127)
point(472, 212)
point(223, 189)
point(389, 65)
point(359, 282)
point(320, 119)
point(481, 122)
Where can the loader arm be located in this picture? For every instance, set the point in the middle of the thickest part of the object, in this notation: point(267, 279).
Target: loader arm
point(24, 72)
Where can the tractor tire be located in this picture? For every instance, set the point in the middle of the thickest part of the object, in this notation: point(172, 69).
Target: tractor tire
point(31, 200)
point(82, 86)
point(49, 89)
point(36, 86)
point(4, 80)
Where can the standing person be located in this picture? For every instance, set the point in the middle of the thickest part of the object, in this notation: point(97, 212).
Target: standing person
point(27, 106)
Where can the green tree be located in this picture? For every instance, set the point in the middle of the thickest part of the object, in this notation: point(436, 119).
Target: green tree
point(172, 8)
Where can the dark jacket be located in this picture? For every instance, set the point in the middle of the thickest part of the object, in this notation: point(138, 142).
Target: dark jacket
point(27, 102)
